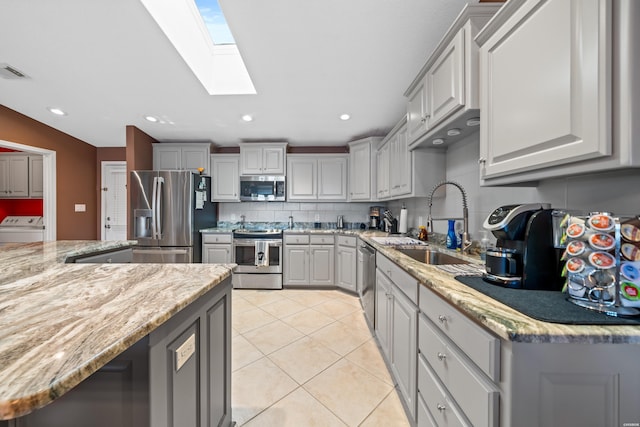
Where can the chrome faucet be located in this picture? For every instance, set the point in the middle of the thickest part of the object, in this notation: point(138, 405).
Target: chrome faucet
point(466, 241)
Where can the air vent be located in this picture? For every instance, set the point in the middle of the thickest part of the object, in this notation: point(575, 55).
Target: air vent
point(8, 72)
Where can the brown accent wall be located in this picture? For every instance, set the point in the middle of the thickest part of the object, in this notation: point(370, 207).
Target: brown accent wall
point(139, 153)
point(75, 171)
point(105, 154)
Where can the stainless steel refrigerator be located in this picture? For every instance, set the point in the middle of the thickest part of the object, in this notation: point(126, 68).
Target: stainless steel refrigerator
point(167, 210)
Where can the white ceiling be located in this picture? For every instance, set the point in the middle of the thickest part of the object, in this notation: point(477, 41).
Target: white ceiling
point(108, 64)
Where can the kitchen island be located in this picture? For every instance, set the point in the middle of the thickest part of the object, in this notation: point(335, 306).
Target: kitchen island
point(60, 323)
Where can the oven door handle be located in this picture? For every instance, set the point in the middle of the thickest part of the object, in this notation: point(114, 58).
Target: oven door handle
point(245, 243)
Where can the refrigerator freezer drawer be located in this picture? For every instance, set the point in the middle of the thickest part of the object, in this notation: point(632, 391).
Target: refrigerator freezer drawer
point(163, 255)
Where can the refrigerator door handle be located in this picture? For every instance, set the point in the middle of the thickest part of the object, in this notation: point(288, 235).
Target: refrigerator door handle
point(154, 207)
point(158, 211)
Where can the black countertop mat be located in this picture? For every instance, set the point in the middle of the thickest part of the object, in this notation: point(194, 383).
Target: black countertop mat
point(548, 306)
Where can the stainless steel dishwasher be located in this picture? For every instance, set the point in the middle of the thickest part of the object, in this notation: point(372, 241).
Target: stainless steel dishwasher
point(368, 290)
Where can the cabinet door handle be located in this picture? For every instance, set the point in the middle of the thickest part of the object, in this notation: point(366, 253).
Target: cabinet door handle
point(442, 318)
point(482, 161)
point(440, 407)
point(441, 356)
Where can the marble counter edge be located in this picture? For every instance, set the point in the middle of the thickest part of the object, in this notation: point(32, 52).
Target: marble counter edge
point(500, 319)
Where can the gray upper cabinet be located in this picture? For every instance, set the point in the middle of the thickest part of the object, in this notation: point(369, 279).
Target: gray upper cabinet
point(362, 169)
point(321, 177)
point(444, 93)
point(225, 177)
point(263, 159)
point(182, 156)
point(549, 108)
point(20, 175)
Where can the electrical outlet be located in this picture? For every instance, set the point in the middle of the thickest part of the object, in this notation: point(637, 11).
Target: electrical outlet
point(80, 207)
point(185, 351)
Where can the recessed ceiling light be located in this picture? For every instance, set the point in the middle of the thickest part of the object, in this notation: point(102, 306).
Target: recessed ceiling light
point(453, 132)
point(437, 141)
point(151, 119)
point(344, 117)
point(473, 121)
point(57, 111)
point(247, 118)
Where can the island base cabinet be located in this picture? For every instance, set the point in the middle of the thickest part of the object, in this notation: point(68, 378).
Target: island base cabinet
point(190, 369)
point(115, 395)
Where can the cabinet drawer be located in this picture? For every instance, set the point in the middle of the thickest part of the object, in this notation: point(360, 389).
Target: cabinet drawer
point(482, 347)
point(296, 239)
point(399, 277)
point(476, 395)
point(437, 401)
point(347, 241)
point(322, 240)
point(216, 238)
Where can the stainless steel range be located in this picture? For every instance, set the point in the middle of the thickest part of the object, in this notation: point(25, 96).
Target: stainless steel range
point(258, 254)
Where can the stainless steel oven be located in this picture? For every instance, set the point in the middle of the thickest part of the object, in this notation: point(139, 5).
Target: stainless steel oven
point(258, 254)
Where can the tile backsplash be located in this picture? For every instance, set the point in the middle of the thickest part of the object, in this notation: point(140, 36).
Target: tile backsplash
point(279, 212)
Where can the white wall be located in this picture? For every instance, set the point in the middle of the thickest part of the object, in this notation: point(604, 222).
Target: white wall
point(616, 191)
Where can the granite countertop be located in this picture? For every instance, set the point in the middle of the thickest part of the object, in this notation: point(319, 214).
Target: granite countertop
point(59, 322)
point(500, 319)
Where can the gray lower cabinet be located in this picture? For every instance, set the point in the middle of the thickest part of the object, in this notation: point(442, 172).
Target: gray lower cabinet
point(116, 257)
point(346, 263)
point(308, 260)
point(396, 327)
point(216, 248)
point(190, 364)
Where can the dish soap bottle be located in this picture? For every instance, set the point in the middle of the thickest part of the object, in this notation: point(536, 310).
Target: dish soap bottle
point(423, 234)
point(452, 240)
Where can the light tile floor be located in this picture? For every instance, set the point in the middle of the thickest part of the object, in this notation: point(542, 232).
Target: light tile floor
point(307, 358)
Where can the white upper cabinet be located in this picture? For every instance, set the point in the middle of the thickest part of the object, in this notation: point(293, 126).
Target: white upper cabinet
point(262, 159)
point(444, 94)
point(225, 177)
point(403, 173)
point(548, 104)
point(182, 156)
point(36, 177)
point(321, 177)
point(362, 169)
point(14, 175)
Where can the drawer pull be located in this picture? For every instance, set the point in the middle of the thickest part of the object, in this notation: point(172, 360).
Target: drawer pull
point(441, 356)
point(440, 407)
point(442, 318)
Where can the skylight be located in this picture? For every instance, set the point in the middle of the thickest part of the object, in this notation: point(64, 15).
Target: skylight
point(215, 21)
point(206, 44)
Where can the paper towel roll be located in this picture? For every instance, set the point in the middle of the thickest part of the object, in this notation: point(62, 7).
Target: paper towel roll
point(402, 224)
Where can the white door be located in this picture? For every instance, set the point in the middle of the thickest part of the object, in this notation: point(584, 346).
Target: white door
point(114, 201)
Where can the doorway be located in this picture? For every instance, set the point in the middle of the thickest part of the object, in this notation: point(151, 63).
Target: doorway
point(49, 184)
point(114, 200)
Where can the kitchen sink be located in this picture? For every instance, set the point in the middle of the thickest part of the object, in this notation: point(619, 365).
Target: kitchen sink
point(429, 256)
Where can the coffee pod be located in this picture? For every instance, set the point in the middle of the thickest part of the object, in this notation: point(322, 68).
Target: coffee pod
point(575, 265)
point(576, 248)
point(601, 222)
point(602, 241)
point(630, 272)
point(630, 232)
point(577, 231)
point(630, 291)
point(630, 252)
point(601, 260)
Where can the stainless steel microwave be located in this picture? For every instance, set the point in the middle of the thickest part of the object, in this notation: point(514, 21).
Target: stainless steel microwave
point(262, 188)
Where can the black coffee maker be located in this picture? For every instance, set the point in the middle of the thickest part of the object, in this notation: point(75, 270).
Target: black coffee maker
point(524, 256)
